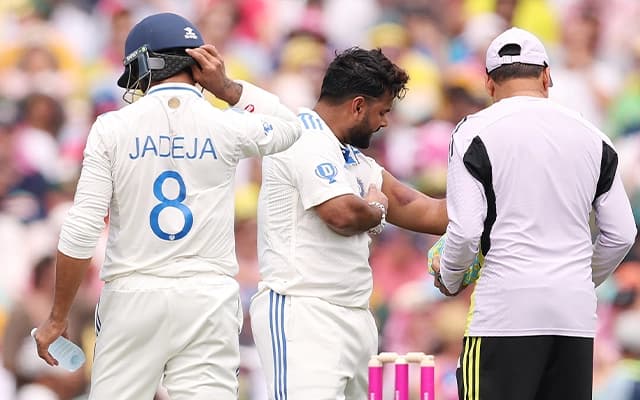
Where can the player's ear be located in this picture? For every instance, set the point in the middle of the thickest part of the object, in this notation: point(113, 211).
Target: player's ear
point(490, 85)
point(357, 105)
point(546, 79)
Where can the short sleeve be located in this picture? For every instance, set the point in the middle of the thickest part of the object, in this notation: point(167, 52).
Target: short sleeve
point(319, 173)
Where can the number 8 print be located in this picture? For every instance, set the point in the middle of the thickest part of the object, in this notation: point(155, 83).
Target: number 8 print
point(165, 202)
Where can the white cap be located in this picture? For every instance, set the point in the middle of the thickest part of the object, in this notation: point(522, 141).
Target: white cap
point(531, 49)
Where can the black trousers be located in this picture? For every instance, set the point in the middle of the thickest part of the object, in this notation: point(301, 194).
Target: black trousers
point(526, 368)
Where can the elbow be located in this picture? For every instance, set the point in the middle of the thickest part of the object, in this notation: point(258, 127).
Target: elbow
point(461, 236)
point(341, 224)
point(295, 131)
point(622, 241)
point(628, 236)
point(631, 238)
point(346, 215)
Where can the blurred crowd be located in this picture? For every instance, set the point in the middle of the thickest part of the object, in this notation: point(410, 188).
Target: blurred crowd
point(59, 61)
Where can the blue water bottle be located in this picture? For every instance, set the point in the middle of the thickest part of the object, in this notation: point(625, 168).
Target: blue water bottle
point(69, 355)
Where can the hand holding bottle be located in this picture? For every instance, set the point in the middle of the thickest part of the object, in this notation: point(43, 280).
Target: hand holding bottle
point(55, 349)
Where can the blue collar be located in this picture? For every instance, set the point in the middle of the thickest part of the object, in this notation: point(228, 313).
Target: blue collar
point(349, 155)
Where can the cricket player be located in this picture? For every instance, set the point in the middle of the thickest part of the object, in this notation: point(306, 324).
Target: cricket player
point(320, 203)
point(524, 175)
point(162, 170)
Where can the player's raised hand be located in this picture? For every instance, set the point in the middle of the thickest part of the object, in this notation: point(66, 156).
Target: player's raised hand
point(210, 73)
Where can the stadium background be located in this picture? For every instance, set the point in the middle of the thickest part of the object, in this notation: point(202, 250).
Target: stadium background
point(59, 61)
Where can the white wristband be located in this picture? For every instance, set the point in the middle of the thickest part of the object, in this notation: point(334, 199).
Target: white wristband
point(376, 230)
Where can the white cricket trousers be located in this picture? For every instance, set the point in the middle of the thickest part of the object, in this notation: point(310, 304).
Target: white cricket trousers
point(183, 330)
point(312, 349)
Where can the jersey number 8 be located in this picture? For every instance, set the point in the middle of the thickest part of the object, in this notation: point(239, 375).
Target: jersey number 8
point(166, 202)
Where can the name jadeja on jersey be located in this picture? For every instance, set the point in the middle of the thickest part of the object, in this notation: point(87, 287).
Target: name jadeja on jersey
point(172, 147)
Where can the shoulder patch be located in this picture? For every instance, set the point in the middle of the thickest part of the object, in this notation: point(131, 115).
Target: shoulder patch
point(327, 171)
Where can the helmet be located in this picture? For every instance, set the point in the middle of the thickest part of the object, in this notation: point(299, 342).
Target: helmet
point(151, 46)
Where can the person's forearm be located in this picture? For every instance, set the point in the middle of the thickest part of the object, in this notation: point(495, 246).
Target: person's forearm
point(458, 253)
point(349, 215)
point(423, 214)
point(356, 219)
point(607, 255)
point(413, 210)
point(232, 92)
point(467, 210)
point(616, 224)
point(69, 275)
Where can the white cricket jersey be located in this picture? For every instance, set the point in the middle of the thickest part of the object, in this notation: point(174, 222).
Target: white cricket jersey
point(162, 169)
point(299, 254)
point(523, 176)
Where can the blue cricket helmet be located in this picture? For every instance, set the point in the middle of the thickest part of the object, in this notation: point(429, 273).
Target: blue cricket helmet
point(155, 34)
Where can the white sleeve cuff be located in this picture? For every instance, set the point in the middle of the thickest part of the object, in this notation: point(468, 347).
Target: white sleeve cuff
point(75, 251)
point(452, 279)
point(255, 99)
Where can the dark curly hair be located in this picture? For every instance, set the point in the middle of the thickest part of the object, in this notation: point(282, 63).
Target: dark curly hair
point(359, 72)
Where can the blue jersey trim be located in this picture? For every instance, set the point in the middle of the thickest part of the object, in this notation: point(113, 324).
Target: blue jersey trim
point(278, 345)
point(174, 88)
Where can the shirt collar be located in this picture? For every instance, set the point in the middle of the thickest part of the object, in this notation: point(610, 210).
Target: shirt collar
point(349, 154)
point(174, 86)
point(348, 151)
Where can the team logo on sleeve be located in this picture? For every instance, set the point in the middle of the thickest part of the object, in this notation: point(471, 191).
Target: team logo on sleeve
point(327, 171)
point(267, 128)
